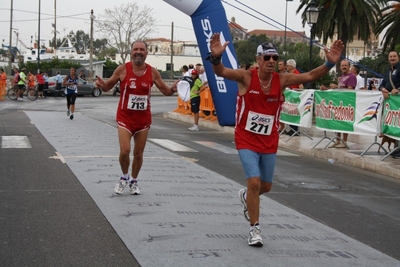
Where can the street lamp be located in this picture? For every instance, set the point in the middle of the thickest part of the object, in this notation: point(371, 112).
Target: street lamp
point(312, 13)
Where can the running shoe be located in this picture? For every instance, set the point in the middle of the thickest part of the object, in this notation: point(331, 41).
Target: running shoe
point(68, 112)
point(242, 192)
point(194, 128)
point(134, 189)
point(255, 239)
point(120, 186)
point(71, 117)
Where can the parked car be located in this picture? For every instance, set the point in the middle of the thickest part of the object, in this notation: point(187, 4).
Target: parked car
point(84, 87)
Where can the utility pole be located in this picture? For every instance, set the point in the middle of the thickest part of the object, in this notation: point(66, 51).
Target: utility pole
point(38, 44)
point(92, 17)
point(9, 44)
point(55, 27)
point(172, 51)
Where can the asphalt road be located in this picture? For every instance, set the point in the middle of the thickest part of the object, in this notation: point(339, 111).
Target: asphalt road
point(360, 204)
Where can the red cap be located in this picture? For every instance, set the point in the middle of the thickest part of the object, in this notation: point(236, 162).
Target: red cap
point(194, 72)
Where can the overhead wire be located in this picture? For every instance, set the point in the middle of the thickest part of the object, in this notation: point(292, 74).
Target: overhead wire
point(298, 33)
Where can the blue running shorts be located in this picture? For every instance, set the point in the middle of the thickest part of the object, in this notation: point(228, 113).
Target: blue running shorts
point(258, 164)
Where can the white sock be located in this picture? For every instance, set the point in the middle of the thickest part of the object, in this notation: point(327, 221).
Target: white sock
point(125, 176)
point(256, 224)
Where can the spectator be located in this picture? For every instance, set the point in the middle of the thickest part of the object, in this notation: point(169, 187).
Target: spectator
point(248, 66)
point(203, 76)
point(282, 69)
point(82, 75)
point(347, 81)
point(371, 85)
point(191, 67)
point(3, 84)
point(195, 99)
point(21, 83)
point(291, 68)
point(391, 82)
point(185, 71)
point(46, 84)
point(282, 66)
point(31, 80)
point(197, 67)
point(16, 77)
point(59, 81)
point(355, 69)
point(40, 83)
point(390, 85)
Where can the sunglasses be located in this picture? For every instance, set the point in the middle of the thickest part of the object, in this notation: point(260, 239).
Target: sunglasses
point(267, 58)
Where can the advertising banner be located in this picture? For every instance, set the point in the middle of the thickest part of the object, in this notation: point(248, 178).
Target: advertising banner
point(298, 108)
point(208, 17)
point(348, 111)
point(391, 117)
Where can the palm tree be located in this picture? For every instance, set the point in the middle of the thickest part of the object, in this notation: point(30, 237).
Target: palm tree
point(347, 18)
point(391, 21)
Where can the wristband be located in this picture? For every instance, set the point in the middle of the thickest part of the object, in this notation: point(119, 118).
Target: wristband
point(215, 60)
point(329, 65)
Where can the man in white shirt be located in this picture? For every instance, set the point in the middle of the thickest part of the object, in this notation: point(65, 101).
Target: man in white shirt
point(360, 80)
point(203, 76)
point(185, 71)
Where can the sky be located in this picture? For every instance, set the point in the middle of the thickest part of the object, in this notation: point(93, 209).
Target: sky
point(75, 15)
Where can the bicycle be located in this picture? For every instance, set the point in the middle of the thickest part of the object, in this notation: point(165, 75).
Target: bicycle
point(59, 93)
point(30, 93)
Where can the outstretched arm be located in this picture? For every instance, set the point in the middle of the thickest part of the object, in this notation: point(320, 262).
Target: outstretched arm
point(109, 84)
point(217, 49)
point(332, 55)
point(161, 85)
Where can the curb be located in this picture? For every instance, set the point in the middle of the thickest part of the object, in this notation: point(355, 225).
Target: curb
point(389, 167)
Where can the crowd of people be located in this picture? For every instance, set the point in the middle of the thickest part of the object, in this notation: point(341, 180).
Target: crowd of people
point(196, 77)
point(25, 80)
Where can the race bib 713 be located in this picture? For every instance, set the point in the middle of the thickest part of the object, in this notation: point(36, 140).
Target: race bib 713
point(137, 102)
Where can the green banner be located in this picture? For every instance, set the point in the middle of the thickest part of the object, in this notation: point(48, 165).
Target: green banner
point(391, 116)
point(334, 111)
point(290, 112)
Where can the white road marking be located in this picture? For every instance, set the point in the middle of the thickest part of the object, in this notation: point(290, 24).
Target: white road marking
point(221, 148)
point(15, 141)
point(284, 153)
point(60, 157)
point(171, 145)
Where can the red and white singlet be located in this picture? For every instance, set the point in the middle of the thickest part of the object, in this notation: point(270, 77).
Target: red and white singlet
point(134, 103)
point(257, 116)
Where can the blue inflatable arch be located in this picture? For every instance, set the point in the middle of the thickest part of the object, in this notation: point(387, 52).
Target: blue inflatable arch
point(208, 17)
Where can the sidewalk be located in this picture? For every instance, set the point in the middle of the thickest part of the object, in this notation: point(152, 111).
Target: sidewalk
point(370, 161)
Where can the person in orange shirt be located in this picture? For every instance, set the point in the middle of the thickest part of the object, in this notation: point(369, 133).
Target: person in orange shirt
point(31, 81)
point(3, 82)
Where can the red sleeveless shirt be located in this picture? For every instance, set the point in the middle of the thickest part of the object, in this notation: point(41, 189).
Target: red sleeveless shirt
point(134, 102)
point(257, 116)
